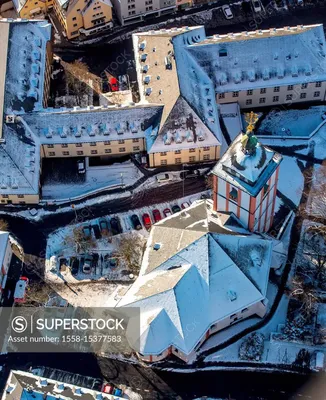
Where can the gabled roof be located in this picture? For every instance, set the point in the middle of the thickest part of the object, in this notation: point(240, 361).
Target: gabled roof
point(247, 172)
point(195, 275)
point(263, 58)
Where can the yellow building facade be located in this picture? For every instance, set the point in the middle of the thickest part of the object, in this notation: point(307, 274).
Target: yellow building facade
point(80, 16)
point(33, 8)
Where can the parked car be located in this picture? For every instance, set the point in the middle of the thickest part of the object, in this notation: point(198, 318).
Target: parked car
point(256, 4)
point(117, 392)
point(157, 215)
point(163, 178)
point(97, 231)
point(81, 166)
point(189, 174)
point(87, 267)
point(115, 226)
point(20, 290)
point(175, 208)
point(135, 222)
point(114, 85)
point(184, 205)
point(104, 226)
point(87, 232)
point(227, 12)
point(167, 212)
point(108, 389)
point(147, 221)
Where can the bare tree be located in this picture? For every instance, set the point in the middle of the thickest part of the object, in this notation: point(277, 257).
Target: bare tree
point(38, 294)
point(79, 240)
point(305, 294)
point(130, 251)
point(4, 226)
point(315, 251)
point(317, 209)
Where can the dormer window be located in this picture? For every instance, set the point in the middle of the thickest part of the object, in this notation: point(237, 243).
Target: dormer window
point(223, 53)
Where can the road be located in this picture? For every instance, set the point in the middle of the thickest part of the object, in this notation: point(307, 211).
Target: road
point(33, 234)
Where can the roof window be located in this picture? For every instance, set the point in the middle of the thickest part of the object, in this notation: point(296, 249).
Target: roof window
point(223, 53)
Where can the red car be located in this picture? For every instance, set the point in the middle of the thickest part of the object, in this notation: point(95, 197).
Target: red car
point(157, 215)
point(147, 221)
point(167, 212)
point(114, 85)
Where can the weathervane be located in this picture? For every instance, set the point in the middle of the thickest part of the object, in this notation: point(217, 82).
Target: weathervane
point(249, 140)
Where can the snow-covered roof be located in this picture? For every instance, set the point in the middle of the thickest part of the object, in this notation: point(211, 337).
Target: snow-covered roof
point(165, 72)
point(231, 116)
point(94, 124)
point(4, 239)
point(26, 65)
point(248, 172)
point(199, 277)
point(183, 129)
point(263, 58)
point(23, 385)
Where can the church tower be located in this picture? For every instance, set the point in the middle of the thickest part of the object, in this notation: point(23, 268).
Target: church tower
point(245, 180)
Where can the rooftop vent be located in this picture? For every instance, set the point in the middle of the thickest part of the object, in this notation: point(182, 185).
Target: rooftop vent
point(232, 295)
point(174, 267)
point(148, 91)
point(143, 57)
point(142, 45)
point(147, 79)
point(160, 91)
point(145, 69)
point(10, 119)
point(157, 246)
point(168, 62)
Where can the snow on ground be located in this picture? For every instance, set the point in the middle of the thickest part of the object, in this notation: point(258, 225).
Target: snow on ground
point(291, 180)
point(99, 177)
point(292, 122)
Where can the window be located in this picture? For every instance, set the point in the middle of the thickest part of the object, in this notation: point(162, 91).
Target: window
point(233, 194)
point(74, 19)
point(75, 25)
point(65, 153)
point(64, 145)
point(192, 150)
point(93, 151)
point(276, 89)
point(206, 148)
point(121, 141)
point(78, 9)
point(20, 196)
point(266, 188)
point(248, 102)
point(235, 94)
point(178, 160)
point(135, 140)
point(132, 12)
point(206, 157)
point(149, 8)
point(122, 149)
point(290, 87)
point(233, 316)
point(50, 146)
point(5, 196)
point(289, 97)
point(74, 33)
point(163, 153)
point(164, 162)
point(22, 202)
point(303, 95)
point(80, 153)
point(223, 53)
point(263, 91)
point(318, 84)
point(108, 150)
point(192, 159)
point(107, 143)
point(244, 310)
point(79, 144)
point(304, 86)
point(133, 6)
point(262, 100)
point(92, 144)
point(316, 94)
point(51, 153)
point(249, 92)
point(221, 96)
point(135, 148)
point(177, 152)
point(276, 98)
